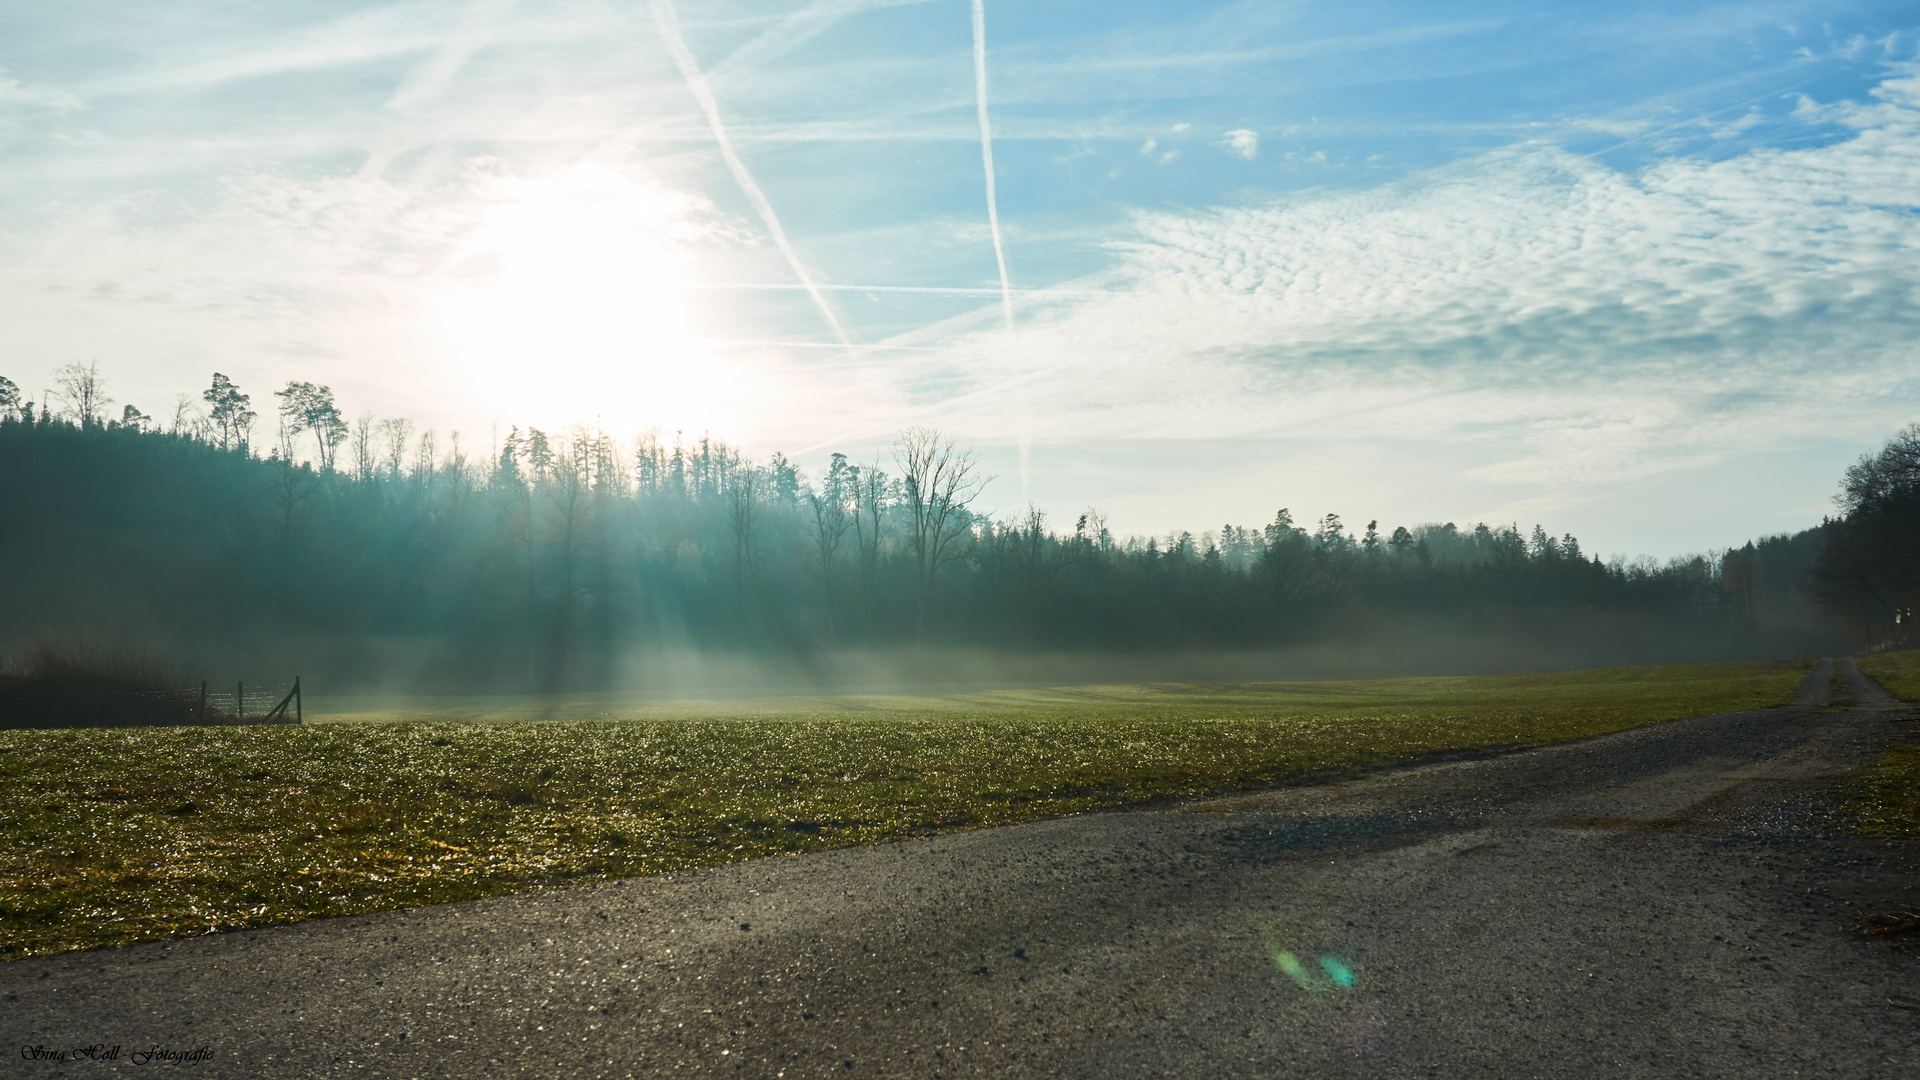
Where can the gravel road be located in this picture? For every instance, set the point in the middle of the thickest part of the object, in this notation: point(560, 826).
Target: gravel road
point(1669, 901)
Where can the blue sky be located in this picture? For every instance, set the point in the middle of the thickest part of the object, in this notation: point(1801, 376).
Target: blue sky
point(1642, 274)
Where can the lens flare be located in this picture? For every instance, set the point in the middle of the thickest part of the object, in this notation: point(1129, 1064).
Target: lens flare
point(1290, 965)
point(1339, 973)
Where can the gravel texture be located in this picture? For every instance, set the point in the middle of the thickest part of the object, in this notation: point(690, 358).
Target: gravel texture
point(1674, 900)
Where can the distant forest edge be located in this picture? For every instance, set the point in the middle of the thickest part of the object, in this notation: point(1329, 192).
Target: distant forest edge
point(367, 553)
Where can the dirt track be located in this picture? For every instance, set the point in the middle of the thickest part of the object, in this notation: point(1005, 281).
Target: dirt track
point(1668, 901)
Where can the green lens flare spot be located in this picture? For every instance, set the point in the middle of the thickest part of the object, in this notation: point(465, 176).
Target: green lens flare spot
point(1289, 965)
point(1340, 973)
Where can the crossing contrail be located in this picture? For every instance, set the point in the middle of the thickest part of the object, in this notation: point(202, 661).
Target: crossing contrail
point(668, 22)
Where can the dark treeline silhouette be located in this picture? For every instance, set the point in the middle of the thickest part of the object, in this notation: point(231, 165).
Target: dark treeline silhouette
point(552, 558)
point(1869, 568)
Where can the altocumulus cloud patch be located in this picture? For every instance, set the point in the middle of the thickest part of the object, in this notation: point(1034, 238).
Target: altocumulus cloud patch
point(1618, 323)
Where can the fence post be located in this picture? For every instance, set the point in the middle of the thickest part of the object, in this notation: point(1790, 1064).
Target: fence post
point(298, 718)
point(240, 700)
point(203, 701)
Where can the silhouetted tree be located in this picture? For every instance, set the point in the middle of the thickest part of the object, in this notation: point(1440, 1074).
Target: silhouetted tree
point(832, 514)
point(307, 407)
point(1286, 561)
point(228, 412)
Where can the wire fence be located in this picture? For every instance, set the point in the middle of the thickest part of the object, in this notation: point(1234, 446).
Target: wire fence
point(255, 703)
point(64, 706)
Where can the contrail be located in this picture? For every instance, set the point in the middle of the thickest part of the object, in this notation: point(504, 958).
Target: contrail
point(993, 222)
point(668, 22)
point(986, 152)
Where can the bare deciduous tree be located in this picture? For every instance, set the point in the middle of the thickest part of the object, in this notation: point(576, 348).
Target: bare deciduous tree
point(83, 393)
point(365, 458)
point(938, 481)
point(186, 419)
point(868, 486)
point(426, 459)
point(395, 434)
point(1869, 566)
point(743, 484)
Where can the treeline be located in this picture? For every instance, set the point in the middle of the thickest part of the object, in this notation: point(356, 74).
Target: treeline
point(1869, 568)
point(545, 558)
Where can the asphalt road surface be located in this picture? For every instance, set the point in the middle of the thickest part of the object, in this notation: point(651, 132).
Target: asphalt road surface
point(1669, 901)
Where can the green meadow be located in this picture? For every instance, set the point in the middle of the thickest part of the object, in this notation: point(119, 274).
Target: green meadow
point(1888, 803)
point(124, 835)
point(1899, 672)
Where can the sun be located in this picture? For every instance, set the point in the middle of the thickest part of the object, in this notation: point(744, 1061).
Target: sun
point(569, 305)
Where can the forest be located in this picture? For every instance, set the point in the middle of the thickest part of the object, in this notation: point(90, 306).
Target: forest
point(372, 553)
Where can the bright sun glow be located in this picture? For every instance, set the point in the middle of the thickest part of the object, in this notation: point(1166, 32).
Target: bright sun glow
point(569, 305)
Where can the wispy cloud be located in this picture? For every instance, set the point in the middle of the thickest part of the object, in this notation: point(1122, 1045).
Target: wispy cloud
point(666, 20)
point(430, 79)
point(1225, 58)
point(795, 30)
point(16, 95)
point(395, 30)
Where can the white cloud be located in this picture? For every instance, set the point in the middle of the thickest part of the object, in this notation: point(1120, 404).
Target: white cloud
point(1579, 323)
point(1149, 146)
point(1243, 143)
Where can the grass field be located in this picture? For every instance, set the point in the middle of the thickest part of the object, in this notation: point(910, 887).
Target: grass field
point(1899, 672)
point(1888, 803)
point(124, 835)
